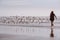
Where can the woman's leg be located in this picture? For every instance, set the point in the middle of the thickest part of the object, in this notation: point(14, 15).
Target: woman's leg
point(51, 23)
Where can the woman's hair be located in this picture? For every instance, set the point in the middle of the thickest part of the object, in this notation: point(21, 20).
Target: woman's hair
point(52, 12)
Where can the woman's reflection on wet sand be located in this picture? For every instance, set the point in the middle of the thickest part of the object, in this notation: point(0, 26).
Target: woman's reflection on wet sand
point(52, 32)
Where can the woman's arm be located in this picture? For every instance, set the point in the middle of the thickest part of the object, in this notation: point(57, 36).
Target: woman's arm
point(55, 16)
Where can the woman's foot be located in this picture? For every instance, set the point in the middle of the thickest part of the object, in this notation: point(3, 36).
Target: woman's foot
point(52, 24)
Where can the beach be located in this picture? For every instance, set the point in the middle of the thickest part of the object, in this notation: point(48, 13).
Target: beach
point(28, 33)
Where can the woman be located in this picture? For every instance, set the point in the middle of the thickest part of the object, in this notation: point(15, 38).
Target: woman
point(52, 15)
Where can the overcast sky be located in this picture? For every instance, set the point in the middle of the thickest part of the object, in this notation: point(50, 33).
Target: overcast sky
point(29, 7)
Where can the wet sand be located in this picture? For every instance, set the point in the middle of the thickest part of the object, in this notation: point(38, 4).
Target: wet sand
point(21, 37)
point(24, 37)
point(28, 33)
